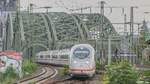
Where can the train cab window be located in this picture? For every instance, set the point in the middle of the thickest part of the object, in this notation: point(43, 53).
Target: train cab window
point(81, 53)
point(64, 56)
point(54, 56)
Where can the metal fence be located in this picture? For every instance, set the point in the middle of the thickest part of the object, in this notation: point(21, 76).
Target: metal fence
point(130, 57)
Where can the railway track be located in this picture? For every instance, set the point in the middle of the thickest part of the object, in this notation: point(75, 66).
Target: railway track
point(74, 81)
point(47, 72)
point(70, 80)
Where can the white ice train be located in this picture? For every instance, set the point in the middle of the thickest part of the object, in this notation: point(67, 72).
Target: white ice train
point(82, 61)
point(57, 57)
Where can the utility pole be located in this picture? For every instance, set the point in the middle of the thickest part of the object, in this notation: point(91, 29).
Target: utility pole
point(17, 44)
point(109, 50)
point(138, 40)
point(90, 10)
point(81, 10)
point(101, 27)
point(30, 51)
point(132, 23)
point(125, 25)
point(18, 6)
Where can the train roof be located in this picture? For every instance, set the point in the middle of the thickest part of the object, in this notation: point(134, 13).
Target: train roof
point(82, 45)
point(55, 51)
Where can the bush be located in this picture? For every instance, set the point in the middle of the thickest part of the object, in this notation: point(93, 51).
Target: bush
point(98, 65)
point(9, 76)
point(145, 77)
point(28, 67)
point(146, 73)
point(121, 73)
point(147, 63)
point(65, 70)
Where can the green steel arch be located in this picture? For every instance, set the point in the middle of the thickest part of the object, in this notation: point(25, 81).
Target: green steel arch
point(33, 32)
point(65, 28)
point(93, 22)
point(25, 30)
point(98, 27)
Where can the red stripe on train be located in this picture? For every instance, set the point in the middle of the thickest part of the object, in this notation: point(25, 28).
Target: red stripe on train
point(82, 69)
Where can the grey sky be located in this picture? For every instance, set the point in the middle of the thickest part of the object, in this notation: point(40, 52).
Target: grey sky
point(115, 16)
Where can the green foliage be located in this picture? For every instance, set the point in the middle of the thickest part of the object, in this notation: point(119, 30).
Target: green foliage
point(9, 76)
point(145, 77)
point(65, 70)
point(146, 62)
point(146, 73)
point(121, 73)
point(98, 65)
point(28, 67)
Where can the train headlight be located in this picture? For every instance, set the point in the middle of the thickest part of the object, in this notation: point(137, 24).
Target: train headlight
point(74, 62)
point(87, 62)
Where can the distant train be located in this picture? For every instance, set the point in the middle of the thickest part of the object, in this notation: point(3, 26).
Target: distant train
point(57, 57)
point(82, 61)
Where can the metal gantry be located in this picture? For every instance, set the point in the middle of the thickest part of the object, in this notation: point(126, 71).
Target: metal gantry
point(35, 32)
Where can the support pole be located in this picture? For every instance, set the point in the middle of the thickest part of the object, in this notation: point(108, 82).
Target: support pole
point(125, 25)
point(131, 24)
point(109, 50)
point(90, 10)
point(101, 28)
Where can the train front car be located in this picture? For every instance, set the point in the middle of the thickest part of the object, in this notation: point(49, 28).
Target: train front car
point(82, 62)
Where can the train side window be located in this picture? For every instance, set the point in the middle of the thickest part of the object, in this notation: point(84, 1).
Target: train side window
point(41, 56)
point(47, 56)
point(54, 56)
point(64, 56)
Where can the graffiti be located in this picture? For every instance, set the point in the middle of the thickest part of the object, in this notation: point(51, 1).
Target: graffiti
point(10, 59)
point(2, 63)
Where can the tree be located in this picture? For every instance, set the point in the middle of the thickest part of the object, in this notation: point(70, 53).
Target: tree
point(121, 73)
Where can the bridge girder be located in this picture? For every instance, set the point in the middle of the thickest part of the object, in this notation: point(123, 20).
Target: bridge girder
point(56, 30)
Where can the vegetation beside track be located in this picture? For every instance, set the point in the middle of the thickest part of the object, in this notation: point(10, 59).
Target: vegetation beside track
point(144, 77)
point(8, 77)
point(125, 73)
point(28, 67)
point(64, 71)
point(98, 65)
point(121, 73)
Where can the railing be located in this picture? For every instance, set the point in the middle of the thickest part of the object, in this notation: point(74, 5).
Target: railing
point(125, 53)
point(130, 57)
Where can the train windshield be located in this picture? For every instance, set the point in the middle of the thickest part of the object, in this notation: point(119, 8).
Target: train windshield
point(81, 53)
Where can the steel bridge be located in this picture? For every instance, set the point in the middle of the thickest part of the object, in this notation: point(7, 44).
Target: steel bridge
point(32, 32)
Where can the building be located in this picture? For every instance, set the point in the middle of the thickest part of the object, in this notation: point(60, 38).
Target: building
point(10, 59)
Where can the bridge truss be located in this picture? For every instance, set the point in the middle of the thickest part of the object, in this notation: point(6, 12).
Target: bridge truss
point(33, 32)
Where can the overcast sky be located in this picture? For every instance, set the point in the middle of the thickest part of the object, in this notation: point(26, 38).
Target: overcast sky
point(117, 15)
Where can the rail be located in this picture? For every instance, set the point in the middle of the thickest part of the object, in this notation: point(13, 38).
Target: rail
point(47, 72)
